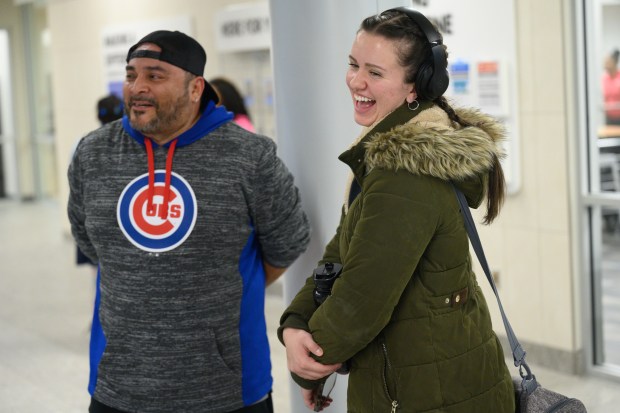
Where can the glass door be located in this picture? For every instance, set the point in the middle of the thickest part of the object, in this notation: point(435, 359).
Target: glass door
point(600, 144)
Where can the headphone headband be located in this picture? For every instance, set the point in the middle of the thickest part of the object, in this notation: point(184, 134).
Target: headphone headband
point(432, 78)
point(432, 35)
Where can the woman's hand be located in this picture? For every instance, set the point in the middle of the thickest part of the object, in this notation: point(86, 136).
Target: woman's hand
point(299, 345)
point(310, 399)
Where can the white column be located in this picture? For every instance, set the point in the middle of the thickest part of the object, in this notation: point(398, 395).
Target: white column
point(7, 127)
point(311, 41)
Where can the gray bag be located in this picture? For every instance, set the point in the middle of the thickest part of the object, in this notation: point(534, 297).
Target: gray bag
point(530, 396)
point(541, 400)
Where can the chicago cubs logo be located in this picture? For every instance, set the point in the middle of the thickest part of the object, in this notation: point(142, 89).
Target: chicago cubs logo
point(145, 229)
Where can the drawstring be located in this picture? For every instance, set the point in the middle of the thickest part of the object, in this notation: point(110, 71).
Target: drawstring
point(151, 190)
point(163, 210)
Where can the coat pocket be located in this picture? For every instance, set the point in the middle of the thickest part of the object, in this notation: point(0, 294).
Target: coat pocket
point(389, 378)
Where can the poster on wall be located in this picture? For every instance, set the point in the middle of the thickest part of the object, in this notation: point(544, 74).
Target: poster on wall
point(482, 53)
point(116, 40)
point(243, 27)
point(493, 88)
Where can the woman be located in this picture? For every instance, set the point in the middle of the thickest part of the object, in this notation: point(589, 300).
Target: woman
point(611, 89)
point(406, 313)
point(233, 101)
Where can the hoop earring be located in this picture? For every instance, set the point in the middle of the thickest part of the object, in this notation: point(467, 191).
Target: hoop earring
point(417, 105)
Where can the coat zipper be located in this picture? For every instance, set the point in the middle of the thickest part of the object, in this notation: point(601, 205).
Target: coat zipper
point(386, 367)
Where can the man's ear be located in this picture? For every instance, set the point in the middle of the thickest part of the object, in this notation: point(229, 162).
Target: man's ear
point(198, 86)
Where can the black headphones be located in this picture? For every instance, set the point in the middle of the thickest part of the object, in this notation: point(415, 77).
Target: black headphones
point(432, 78)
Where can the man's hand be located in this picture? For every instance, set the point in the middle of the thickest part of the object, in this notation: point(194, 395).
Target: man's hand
point(272, 273)
point(299, 345)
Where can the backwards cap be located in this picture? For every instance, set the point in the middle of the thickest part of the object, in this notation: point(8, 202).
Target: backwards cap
point(179, 50)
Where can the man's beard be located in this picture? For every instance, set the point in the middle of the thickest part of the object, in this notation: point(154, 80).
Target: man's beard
point(165, 117)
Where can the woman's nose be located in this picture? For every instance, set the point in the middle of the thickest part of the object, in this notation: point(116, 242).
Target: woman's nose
point(356, 81)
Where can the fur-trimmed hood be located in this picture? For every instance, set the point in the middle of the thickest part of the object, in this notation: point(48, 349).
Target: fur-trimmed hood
point(430, 145)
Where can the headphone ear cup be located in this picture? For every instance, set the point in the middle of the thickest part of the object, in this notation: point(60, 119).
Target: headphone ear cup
point(441, 78)
point(433, 85)
point(440, 83)
point(423, 80)
point(432, 79)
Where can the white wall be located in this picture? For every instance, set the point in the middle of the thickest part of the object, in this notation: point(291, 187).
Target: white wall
point(314, 121)
point(22, 178)
point(610, 16)
point(7, 120)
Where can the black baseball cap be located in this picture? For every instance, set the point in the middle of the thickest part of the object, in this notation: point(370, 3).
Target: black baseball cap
point(179, 50)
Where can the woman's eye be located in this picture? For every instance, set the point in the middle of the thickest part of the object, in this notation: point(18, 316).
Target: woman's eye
point(375, 74)
point(353, 65)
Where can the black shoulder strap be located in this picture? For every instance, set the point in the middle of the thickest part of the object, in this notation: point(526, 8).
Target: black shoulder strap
point(518, 354)
point(354, 191)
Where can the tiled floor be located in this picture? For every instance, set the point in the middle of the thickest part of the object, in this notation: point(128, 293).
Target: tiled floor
point(45, 311)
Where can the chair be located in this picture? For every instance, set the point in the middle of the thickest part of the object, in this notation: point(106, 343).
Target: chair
point(610, 182)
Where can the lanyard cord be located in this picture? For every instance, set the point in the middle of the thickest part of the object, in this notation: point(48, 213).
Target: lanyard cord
point(163, 211)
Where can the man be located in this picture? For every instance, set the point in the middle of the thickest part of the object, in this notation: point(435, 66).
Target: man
point(185, 249)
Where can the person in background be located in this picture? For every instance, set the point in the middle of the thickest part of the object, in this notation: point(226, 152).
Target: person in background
point(406, 316)
point(611, 88)
point(232, 100)
point(109, 109)
point(189, 218)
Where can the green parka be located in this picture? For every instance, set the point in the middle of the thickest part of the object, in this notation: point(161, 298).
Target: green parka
point(407, 312)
